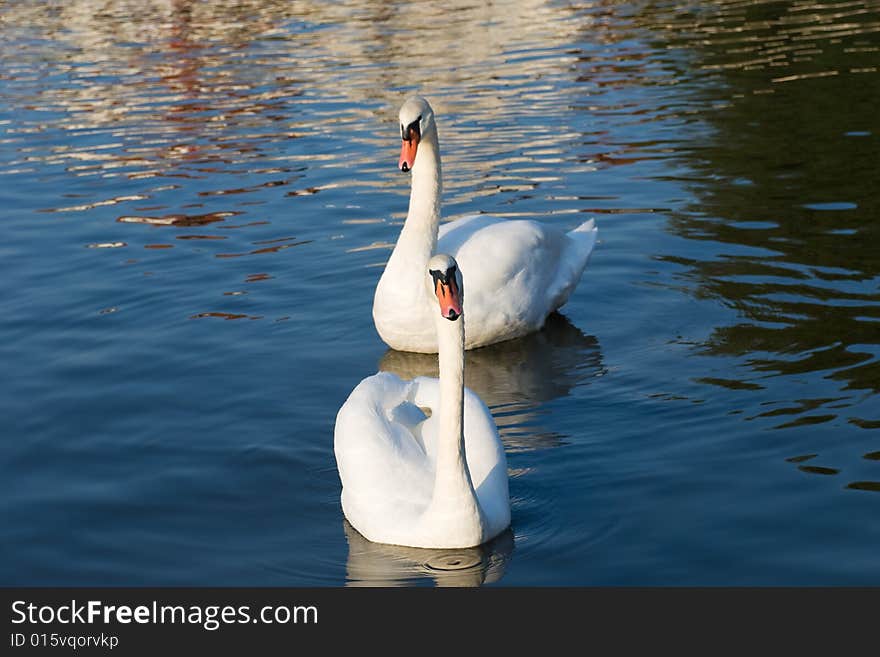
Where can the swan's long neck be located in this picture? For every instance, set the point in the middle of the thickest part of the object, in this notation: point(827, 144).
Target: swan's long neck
point(454, 498)
point(418, 238)
point(451, 464)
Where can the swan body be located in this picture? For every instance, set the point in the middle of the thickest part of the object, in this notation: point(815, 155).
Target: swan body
point(386, 449)
point(518, 271)
point(420, 480)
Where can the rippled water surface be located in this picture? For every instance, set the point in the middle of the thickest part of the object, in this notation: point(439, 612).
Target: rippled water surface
point(198, 199)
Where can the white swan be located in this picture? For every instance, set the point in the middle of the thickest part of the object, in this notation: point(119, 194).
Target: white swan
point(518, 271)
point(437, 481)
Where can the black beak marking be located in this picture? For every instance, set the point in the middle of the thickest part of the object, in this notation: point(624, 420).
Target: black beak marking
point(442, 277)
point(406, 133)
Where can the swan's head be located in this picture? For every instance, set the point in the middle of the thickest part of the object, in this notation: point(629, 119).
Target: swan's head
point(416, 121)
point(444, 279)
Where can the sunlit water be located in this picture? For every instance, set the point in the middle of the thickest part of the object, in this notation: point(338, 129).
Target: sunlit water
point(198, 198)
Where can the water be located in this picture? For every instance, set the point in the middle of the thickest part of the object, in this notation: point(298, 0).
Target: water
point(198, 198)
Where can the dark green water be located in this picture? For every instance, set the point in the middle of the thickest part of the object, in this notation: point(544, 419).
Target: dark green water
point(196, 200)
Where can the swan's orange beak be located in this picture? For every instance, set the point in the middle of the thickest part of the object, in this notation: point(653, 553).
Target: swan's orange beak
point(449, 298)
point(408, 151)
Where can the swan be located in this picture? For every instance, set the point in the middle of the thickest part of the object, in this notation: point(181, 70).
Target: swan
point(420, 480)
point(519, 271)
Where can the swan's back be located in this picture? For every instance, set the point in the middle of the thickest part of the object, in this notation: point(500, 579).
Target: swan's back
point(518, 272)
point(385, 450)
point(383, 468)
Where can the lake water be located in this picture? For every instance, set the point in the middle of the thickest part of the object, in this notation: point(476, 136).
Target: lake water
point(197, 202)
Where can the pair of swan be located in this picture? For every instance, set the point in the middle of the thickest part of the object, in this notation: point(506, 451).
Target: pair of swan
point(439, 479)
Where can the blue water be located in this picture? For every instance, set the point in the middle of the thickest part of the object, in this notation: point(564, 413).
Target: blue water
point(197, 202)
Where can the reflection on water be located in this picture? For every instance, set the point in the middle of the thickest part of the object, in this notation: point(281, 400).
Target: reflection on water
point(785, 184)
point(786, 204)
point(378, 564)
point(730, 148)
point(869, 485)
point(514, 378)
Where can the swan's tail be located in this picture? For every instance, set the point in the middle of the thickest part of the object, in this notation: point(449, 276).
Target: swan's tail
point(584, 237)
point(586, 231)
point(574, 260)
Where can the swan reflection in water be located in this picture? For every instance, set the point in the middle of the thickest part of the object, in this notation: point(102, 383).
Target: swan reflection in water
point(380, 564)
point(513, 378)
